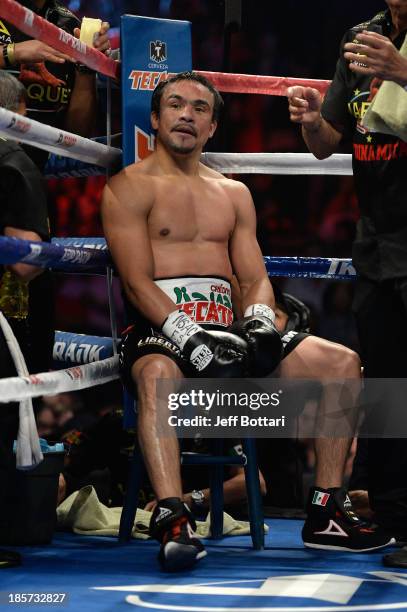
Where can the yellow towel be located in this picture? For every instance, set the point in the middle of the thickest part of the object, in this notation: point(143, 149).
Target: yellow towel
point(388, 111)
point(83, 513)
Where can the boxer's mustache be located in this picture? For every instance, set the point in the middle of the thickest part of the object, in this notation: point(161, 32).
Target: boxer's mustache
point(184, 127)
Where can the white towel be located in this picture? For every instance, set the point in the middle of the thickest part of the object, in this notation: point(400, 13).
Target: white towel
point(84, 514)
point(387, 113)
point(28, 445)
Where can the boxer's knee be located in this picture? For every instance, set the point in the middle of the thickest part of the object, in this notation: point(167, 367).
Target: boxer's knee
point(343, 362)
point(152, 367)
point(147, 370)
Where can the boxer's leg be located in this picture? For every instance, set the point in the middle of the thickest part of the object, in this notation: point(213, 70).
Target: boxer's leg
point(316, 359)
point(171, 522)
point(331, 522)
point(161, 452)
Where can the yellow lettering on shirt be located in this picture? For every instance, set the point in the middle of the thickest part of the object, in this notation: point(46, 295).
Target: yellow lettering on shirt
point(3, 29)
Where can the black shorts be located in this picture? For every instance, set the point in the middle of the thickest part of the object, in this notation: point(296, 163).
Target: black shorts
point(143, 339)
point(291, 340)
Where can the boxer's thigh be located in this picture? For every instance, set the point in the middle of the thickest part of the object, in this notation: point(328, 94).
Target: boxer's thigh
point(148, 356)
point(316, 357)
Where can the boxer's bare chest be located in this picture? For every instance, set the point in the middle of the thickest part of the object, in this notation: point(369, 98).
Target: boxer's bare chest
point(194, 209)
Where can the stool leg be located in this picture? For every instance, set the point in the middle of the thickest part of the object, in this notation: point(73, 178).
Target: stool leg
point(255, 501)
point(128, 515)
point(216, 488)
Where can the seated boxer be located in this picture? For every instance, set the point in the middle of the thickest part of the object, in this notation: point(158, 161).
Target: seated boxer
point(177, 232)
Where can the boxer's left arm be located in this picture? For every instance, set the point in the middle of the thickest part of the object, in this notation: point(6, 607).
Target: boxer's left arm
point(245, 255)
point(257, 296)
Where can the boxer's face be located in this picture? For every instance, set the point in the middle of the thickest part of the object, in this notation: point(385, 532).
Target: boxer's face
point(186, 117)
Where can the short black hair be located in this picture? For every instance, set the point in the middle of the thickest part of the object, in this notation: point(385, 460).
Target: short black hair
point(12, 91)
point(187, 76)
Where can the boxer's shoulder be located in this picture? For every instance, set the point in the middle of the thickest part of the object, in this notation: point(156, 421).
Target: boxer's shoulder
point(131, 188)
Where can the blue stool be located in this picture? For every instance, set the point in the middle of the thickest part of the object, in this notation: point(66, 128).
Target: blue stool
point(215, 461)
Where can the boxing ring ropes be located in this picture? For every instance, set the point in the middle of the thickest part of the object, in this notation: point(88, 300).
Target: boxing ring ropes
point(94, 359)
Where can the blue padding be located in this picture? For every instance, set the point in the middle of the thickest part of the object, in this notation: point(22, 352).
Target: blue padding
point(74, 255)
point(64, 167)
point(46, 255)
point(77, 349)
point(89, 243)
point(310, 267)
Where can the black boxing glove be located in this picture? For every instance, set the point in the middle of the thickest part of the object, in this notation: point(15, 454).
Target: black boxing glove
point(264, 341)
point(214, 354)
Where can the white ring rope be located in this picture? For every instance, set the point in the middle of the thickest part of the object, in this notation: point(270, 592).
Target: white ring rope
point(22, 129)
point(63, 143)
point(278, 163)
point(19, 388)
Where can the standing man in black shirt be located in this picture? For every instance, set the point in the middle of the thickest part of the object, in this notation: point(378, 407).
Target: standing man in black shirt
point(370, 55)
point(23, 214)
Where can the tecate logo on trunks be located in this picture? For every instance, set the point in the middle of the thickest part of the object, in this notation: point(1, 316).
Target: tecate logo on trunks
point(208, 312)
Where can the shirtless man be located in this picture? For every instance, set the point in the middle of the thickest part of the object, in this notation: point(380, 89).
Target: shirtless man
point(177, 232)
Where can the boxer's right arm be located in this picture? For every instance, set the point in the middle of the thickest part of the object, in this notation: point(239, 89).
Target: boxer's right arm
point(126, 204)
point(304, 104)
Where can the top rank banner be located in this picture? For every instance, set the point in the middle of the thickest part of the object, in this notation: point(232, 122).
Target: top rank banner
point(151, 49)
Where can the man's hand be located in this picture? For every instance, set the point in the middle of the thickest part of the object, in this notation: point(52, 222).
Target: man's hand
point(304, 104)
point(376, 55)
point(101, 40)
point(212, 354)
point(263, 339)
point(35, 51)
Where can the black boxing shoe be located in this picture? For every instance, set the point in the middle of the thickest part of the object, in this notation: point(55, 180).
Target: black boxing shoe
point(173, 525)
point(333, 525)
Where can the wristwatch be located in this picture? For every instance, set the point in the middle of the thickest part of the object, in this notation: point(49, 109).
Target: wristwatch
point(82, 69)
point(198, 498)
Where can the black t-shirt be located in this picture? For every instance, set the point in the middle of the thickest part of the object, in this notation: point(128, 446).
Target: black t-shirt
point(49, 85)
point(379, 166)
point(23, 205)
point(23, 201)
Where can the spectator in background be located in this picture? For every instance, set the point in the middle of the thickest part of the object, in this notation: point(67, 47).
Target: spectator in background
point(60, 93)
point(23, 214)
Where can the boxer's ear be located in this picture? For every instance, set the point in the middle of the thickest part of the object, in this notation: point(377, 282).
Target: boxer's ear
point(154, 118)
point(212, 130)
